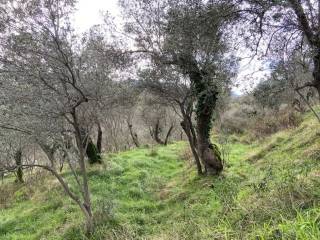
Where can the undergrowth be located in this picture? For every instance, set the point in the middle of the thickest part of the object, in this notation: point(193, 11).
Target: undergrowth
point(269, 190)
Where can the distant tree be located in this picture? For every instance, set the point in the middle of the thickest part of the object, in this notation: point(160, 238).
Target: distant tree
point(156, 117)
point(174, 90)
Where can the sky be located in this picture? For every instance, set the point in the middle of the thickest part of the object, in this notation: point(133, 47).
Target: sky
point(89, 13)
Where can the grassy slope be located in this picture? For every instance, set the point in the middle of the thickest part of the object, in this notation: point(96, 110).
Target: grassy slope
point(270, 190)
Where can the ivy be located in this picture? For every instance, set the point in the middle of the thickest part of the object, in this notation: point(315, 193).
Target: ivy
point(206, 94)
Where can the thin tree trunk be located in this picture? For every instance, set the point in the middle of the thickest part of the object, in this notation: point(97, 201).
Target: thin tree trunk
point(18, 160)
point(67, 190)
point(187, 127)
point(134, 135)
point(157, 131)
point(193, 148)
point(85, 190)
point(99, 139)
point(316, 73)
point(192, 130)
point(168, 135)
point(49, 151)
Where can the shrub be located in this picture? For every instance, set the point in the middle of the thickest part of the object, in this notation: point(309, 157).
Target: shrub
point(272, 122)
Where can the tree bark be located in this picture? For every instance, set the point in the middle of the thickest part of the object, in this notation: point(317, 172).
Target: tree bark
point(313, 39)
point(87, 207)
point(316, 72)
point(168, 135)
point(206, 95)
point(68, 191)
point(157, 131)
point(99, 139)
point(49, 151)
point(188, 128)
point(134, 135)
point(18, 160)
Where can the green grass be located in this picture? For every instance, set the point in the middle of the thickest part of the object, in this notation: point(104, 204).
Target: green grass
point(269, 190)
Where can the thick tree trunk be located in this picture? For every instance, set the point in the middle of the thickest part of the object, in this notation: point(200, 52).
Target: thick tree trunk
point(213, 164)
point(18, 160)
point(99, 139)
point(206, 103)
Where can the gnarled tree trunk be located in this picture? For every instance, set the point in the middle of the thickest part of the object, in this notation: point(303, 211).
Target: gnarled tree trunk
point(206, 96)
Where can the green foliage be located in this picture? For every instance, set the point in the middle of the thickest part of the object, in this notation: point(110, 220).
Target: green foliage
point(92, 153)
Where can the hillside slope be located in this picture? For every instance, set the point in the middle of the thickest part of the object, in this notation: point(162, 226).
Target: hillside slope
point(269, 190)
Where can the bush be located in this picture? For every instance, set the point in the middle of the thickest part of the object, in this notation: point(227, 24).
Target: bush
point(245, 116)
point(273, 122)
point(236, 119)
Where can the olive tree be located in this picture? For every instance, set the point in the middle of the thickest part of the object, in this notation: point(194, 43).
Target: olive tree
point(280, 28)
point(51, 80)
point(186, 37)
